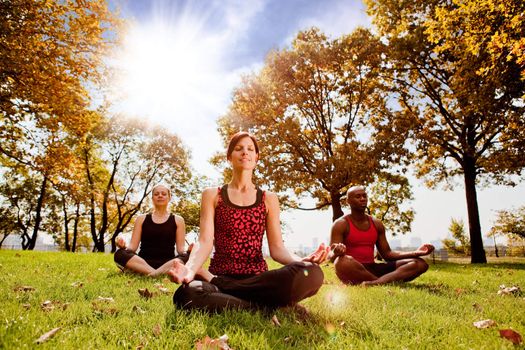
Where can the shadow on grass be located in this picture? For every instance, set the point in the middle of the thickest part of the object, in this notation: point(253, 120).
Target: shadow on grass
point(266, 329)
point(440, 289)
point(493, 265)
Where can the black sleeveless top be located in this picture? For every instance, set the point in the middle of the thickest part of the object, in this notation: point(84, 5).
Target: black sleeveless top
point(158, 240)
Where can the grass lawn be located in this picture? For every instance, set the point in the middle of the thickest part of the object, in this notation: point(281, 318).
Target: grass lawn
point(42, 291)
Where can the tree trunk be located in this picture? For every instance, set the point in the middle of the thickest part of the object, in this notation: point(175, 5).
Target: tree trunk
point(38, 218)
point(97, 245)
point(337, 211)
point(476, 241)
point(66, 229)
point(75, 228)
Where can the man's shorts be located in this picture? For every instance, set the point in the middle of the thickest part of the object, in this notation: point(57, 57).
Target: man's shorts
point(380, 269)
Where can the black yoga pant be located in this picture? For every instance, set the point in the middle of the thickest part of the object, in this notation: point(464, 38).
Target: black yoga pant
point(122, 256)
point(285, 286)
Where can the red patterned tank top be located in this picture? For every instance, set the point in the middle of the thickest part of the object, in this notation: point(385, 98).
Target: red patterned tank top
point(239, 232)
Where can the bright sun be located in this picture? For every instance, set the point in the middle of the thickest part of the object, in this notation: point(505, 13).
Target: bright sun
point(165, 67)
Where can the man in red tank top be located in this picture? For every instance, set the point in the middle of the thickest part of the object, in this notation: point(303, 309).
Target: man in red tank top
point(352, 240)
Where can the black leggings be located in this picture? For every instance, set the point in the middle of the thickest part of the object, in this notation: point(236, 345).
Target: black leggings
point(271, 289)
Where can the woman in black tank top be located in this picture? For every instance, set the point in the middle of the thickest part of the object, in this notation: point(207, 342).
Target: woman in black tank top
point(157, 233)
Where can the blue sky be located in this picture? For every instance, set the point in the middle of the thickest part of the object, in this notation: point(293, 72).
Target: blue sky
point(182, 60)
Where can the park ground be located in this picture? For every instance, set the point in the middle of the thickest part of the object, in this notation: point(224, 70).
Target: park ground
point(89, 304)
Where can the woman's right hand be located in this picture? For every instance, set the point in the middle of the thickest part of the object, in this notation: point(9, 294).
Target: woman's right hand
point(121, 243)
point(319, 256)
point(179, 273)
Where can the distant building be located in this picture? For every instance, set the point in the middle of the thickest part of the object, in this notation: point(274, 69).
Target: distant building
point(395, 244)
point(415, 242)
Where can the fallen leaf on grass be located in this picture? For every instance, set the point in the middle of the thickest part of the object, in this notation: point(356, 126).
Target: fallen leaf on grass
point(342, 324)
point(459, 291)
point(46, 336)
point(26, 306)
point(514, 290)
point(484, 324)
point(161, 288)
point(77, 284)
point(157, 330)
point(213, 344)
point(477, 307)
point(24, 289)
point(511, 335)
point(138, 310)
point(104, 299)
point(101, 309)
point(275, 321)
point(49, 305)
point(145, 293)
point(18, 255)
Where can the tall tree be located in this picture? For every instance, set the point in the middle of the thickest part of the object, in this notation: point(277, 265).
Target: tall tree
point(463, 98)
point(51, 53)
point(318, 109)
point(460, 242)
point(510, 223)
point(123, 160)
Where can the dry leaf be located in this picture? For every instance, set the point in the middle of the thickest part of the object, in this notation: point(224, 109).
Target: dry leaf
point(24, 289)
point(342, 324)
point(213, 344)
point(477, 307)
point(47, 336)
point(287, 339)
point(459, 291)
point(138, 310)
point(102, 269)
point(514, 290)
point(26, 306)
point(275, 321)
point(104, 299)
point(77, 284)
point(161, 288)
point(484, 324)
point(145, 293)
point(157, 330)
point(18, 255)
point(47, 306)
point(511, 335)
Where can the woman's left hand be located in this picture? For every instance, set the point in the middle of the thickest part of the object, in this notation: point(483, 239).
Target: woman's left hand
point(319, 256)
point(179, 273)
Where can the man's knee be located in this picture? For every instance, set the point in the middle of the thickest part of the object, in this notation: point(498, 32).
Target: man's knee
point(422, 265)
point(344, 265)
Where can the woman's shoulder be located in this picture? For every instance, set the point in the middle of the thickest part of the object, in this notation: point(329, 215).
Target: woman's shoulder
point(211, 191)
point(178, 219)
point(210, 194)
point(141, 218)
point(270, 198)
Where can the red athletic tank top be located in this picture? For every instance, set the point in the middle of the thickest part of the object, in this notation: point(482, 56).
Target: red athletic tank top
point(360, 244)
point(239, 232)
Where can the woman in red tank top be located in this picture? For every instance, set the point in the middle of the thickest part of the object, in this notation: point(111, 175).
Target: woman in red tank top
point(234, 219)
